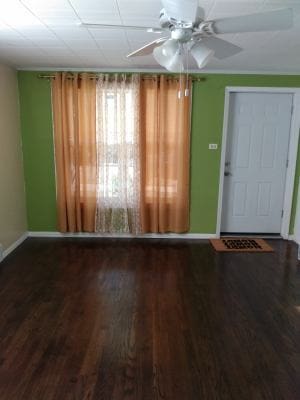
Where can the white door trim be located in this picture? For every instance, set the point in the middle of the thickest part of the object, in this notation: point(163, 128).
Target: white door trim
point(292, 153)
point(296, 234)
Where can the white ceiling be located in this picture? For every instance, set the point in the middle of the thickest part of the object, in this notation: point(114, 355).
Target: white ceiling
point(45, 34)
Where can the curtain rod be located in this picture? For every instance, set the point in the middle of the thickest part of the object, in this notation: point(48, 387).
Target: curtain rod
point(144, 76)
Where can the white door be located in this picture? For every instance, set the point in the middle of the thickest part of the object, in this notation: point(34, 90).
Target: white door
point(256, 162)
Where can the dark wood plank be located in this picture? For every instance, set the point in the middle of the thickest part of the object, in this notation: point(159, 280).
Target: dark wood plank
point(151, 320)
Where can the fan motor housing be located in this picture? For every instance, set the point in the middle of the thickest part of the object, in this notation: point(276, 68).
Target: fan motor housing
point(182, 35)
point(164, 20)
point(181, 31)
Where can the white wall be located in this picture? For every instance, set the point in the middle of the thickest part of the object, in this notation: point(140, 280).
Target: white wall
point(12, 194)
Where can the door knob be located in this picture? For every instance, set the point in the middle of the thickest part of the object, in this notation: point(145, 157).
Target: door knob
point(227, 173)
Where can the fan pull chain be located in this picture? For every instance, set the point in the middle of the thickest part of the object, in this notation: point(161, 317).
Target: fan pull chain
point(180, 73)
point(187, 91)
point(180, 88)
point(185, 63)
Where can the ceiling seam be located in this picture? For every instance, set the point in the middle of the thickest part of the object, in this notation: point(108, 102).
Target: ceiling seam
point(90, 34)
point(125, 32)
point(50, 29)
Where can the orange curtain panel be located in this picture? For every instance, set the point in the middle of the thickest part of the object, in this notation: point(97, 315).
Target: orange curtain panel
point(165, 150)
point(74, 121)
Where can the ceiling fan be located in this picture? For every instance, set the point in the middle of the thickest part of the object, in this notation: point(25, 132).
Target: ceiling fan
point(189, 33)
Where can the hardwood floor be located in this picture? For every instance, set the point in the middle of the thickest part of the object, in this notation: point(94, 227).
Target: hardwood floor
point(131, 319)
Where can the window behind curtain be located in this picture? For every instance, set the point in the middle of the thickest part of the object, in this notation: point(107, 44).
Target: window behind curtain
point(121, 153)
point(118, 163)
point(114, 139)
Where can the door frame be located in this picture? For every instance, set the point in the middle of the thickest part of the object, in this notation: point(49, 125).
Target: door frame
point(292, 151)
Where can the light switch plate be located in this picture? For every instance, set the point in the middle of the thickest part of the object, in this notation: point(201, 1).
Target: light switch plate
point(213, 146)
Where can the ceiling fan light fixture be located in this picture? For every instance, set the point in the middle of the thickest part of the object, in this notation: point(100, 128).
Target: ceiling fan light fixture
point(169, 48)
point(163, 53)
point(175, 63)
point(201, 54)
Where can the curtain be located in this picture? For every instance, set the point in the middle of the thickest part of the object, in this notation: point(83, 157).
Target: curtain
point(74, 121)
point(165, 148)
point(118, 154)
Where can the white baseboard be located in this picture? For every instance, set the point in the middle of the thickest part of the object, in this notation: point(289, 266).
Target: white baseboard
point(13, 246)
point(294, 238)
point(124, 236)
point(184, 236)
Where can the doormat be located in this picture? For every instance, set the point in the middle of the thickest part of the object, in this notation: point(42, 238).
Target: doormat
point(241, 245)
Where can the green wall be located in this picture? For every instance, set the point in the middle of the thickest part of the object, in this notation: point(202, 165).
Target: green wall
point(207, 124)
point(37, 140)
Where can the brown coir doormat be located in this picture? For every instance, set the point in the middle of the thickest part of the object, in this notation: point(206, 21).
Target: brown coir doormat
point(241, 244)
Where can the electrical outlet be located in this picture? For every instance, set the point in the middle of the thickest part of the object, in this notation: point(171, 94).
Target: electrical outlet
point(213, 146)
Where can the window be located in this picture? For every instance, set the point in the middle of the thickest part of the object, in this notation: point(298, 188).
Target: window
point(118, 161)
point(118, 143)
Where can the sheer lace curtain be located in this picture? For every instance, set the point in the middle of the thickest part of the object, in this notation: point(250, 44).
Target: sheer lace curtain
point(118, 154)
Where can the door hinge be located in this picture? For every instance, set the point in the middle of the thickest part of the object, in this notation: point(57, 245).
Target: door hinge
point(287, 163)
point(281, 213)
point(292, 110)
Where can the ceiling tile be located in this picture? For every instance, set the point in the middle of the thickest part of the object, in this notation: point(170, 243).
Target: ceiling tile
point(81, 44)
point(111, 34)
point(142, 35)
point(121, 53)
point(89, 53)
point(7, 33)
point(93, 11)
point(136, 9)
point(16, 15)
point(33, 32)
point(60, 20)
point(95, 5)
point(117, 46)
point(45, 43)
point(99, 18)
point(45, 6)
point(22, 52)
point(143, 21)
point(71, 33)
point(144, 60)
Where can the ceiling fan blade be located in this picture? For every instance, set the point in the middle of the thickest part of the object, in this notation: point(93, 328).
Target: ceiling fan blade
point(200, 14)
point(148, 48)
point(182, 10)
point(265, 21)
point(221, 47)
point(133, 27)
